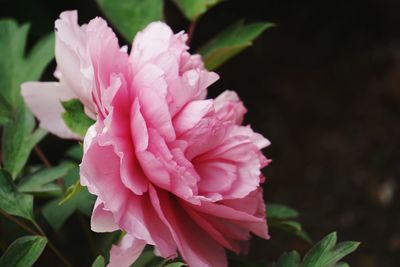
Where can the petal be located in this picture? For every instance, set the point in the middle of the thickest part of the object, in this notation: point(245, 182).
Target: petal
point(70, 53)
point(102, 219)
point(195, 245)
point(229, 107)
point(191, 114)
point(127, 252)
point(44, 100)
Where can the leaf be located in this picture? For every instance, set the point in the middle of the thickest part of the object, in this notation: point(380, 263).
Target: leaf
point(75, 117)
point(279, 211)
point(99, 262)
point(72, 191)
point(56, 214)
point(144, 259)
point(18, 140)
point(40, 181)
point(288, 259)
point(13, 202)
point(75, 152)
point(15, 68)
point(175, 264)
point(193, 9)
point(131, 16)
point(327, 252)
point(231, 42)
point(280, 216)
point(24, 251)
point(18, 136)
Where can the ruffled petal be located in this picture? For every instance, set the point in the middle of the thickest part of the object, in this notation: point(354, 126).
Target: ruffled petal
point(127, 252)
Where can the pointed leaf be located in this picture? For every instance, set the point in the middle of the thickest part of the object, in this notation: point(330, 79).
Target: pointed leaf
point(131, 16)
point(279, 211)
point(99, 262)
point(18, 140)
point(193, 9)
point(72, 191)
point(231, 42)
point(13, 202)
point(24, 251)
point(40, 179)
point(175, 264)
point(288, 259)
point(75, 117)
point(57, 215)
point(14, 67)
point(327, 253)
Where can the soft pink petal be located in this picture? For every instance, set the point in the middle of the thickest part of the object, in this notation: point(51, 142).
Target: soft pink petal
point(70, 53)
point(229, 107)
point(102, 220)
point(127, 252)
point(44, 100)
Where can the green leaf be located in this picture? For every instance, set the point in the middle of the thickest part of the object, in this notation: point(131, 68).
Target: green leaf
point(175, 264)
point(280, 216)
point(13, 202)
point(24, 251)
point(75, 117)
point(72, 191)
point(15, 68)
point(57, 214)
point(75, 152)
point(18, 140)
point(40, 181)
point(231, 42)
point(193, 9)
point(99, 262)
point(327, 253)
point(144, 259)
point(279, 211)
point(288, 259)
point(39, 57)
point(131, 16)
point(18, 136)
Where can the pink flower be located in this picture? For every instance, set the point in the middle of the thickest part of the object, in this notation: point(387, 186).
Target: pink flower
point(169, 167)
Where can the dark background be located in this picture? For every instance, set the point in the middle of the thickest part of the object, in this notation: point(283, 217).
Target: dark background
point(324, 87)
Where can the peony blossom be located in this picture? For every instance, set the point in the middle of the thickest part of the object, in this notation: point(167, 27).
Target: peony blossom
point(168, 166)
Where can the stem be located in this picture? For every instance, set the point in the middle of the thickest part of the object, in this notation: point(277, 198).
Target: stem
point(20, 224)
point(52, 247)
point(42, 156)
point(39, 152)
point(190, 31)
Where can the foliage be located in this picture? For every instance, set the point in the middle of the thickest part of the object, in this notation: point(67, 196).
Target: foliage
point(325, 253)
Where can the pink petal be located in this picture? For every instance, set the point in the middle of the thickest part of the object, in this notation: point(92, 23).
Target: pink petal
point(191, 114)
point(195, 245)
point(127, 252)
point(102, 219)
point(229, 107)
point(70, 54)
point(44, 100)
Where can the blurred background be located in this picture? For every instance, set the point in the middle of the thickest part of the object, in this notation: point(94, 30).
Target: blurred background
point(324, 88)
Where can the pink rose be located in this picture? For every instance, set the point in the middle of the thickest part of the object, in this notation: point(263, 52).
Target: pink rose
point(169, 167)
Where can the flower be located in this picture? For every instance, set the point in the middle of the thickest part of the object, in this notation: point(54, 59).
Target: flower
point(168, 166)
